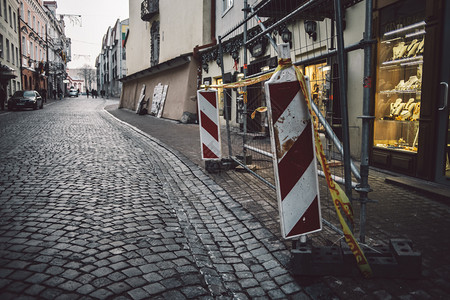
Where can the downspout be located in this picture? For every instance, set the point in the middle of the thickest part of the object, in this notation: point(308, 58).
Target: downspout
point(20, 48)
point(47, 64)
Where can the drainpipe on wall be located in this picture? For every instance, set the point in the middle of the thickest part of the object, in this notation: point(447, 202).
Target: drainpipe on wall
point(20, 49)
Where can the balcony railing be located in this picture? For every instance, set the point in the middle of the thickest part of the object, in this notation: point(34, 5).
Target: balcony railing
point(149, 9)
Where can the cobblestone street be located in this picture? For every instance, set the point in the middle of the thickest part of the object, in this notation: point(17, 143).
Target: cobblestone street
point(91, 208)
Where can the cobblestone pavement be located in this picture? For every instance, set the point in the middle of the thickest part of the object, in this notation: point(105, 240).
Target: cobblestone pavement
point(399, 213)
point(90, 208)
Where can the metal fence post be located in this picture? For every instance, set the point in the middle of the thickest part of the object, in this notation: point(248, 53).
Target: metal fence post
point(343, 98)
point(363, 188)
point(227, 118)
point(244, 125)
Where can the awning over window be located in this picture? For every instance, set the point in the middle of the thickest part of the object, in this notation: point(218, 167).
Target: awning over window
point(7, 73)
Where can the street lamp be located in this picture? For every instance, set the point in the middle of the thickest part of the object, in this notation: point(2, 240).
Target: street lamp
point(311, 28)
point(286, 35)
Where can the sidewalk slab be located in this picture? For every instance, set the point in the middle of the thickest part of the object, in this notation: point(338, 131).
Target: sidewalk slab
point(431, 189)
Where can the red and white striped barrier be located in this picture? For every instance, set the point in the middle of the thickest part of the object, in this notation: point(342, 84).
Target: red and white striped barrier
point(295, 164)
point(208, 115)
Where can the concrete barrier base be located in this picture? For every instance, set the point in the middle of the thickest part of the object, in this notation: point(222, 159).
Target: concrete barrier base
point(396, 259)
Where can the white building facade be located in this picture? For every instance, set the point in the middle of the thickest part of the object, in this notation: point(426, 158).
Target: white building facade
point(10, 78)
point(161, 43)
point(111, 63)
point(58, 51)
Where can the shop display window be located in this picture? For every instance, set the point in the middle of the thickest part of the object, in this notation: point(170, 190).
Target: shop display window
point(398, 89)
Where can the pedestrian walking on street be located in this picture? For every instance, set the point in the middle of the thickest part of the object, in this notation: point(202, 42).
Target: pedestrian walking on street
point(87, 93)
point(44, 95)
point(2, 98)
point(54, 94)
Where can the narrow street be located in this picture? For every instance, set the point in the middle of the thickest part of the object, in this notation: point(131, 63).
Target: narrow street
point(91, 208)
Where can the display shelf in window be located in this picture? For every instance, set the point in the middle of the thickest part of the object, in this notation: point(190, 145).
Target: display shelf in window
point(398, 89)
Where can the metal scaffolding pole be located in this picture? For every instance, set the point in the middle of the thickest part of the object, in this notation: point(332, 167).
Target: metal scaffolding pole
point(244, 99)
point(363, 188)
point(263, 28)
point(343, 98)
point(227, 118)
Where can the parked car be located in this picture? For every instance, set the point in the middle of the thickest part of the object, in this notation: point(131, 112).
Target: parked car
point(73, 93)
point(25, 99)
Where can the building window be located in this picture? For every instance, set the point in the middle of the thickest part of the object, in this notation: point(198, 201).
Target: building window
point(22, 11)
point(31, 50)
point(154, 33)
point(5, 11)
point(34, 23)
point(12, 54)
point(10, 17)
point(29, 18)
point(24, 45)
point(7, 50)
point(39, 28)
point(17, 57)
point(1, 46)
point(15, 22)
point(227, 5)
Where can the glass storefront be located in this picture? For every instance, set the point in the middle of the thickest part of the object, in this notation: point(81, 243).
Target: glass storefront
point(398, 90)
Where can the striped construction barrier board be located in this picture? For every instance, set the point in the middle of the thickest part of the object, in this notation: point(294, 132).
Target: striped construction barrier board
point(294, 159)
point(208, 115)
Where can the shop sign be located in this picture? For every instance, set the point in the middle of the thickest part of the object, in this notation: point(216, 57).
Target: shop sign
point(258, 49)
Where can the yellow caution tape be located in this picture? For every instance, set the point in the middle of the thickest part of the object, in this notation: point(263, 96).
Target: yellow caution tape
point(340, 199)
point(260, 109)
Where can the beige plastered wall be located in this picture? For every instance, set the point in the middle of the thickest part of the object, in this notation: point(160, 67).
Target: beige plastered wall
point(182, 82)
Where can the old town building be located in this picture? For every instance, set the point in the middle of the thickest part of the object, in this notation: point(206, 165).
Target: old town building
point(33, 23)
point(58, 51)
point(111, 63)
point(10, 79)
point(160, 54)
point(34, 50)
point(407, 87)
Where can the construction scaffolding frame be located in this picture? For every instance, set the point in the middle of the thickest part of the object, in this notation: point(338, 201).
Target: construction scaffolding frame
point(333, 9)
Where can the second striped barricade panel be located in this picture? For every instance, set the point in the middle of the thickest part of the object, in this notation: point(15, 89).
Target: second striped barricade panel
point(208, 114)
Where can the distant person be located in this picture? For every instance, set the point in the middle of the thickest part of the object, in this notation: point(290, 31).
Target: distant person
point(2, 98)
point(44, 95)
point(54, 94)
point(60, 94)
point(87, 93)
